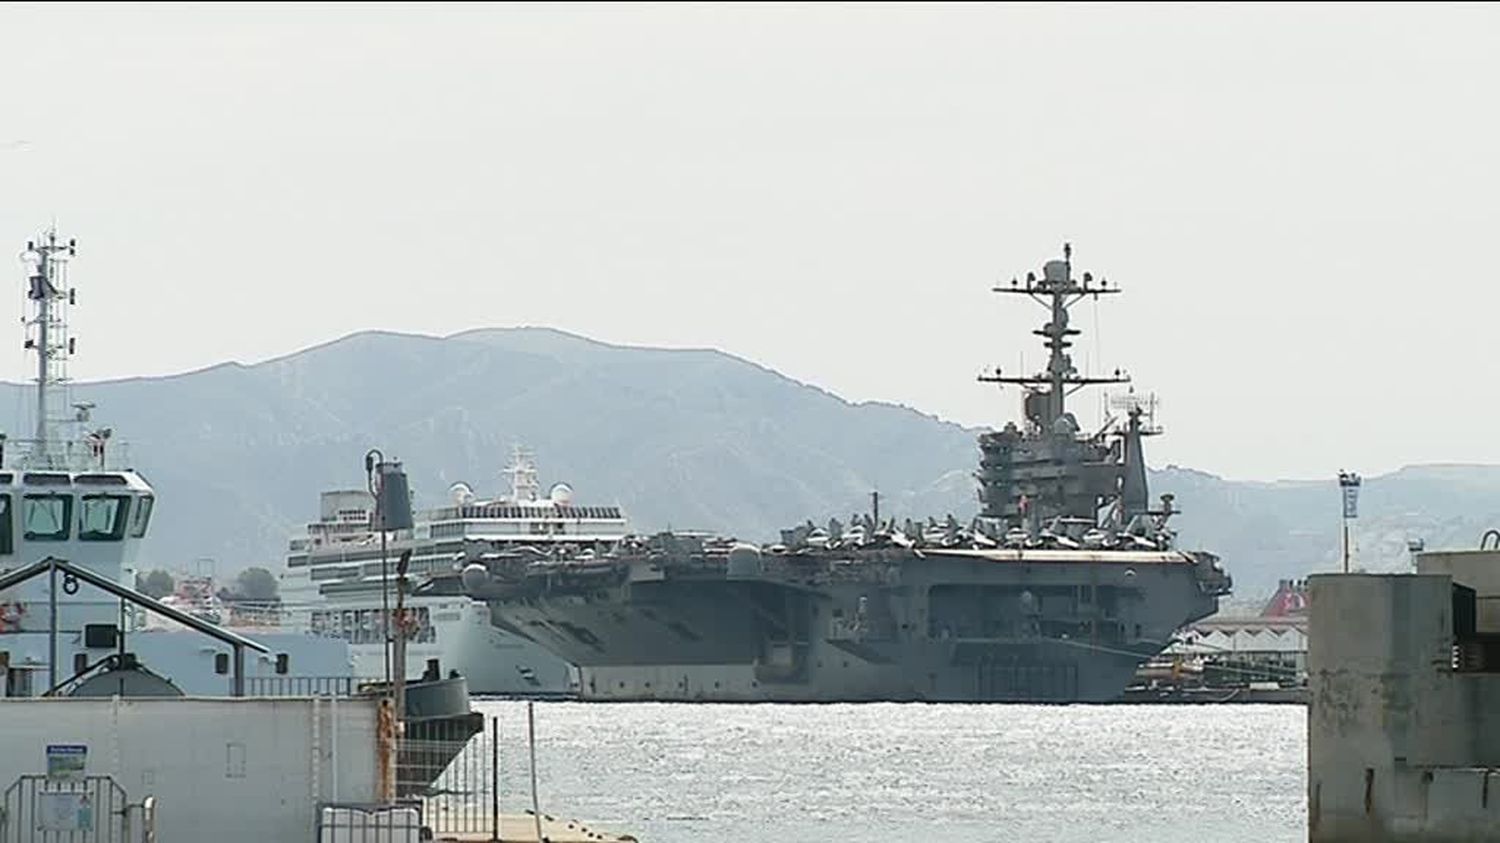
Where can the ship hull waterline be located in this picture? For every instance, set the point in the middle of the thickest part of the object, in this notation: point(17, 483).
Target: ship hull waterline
point(939, 630)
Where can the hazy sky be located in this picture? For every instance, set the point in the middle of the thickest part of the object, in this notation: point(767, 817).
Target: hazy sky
point(1300, 202)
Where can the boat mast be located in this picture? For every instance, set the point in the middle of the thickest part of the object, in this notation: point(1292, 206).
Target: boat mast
point(1058, 291)
point(524, 485)
point(46, 261)
point(1053, 468)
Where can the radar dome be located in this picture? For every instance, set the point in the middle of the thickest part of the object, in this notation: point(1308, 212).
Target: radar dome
point(744, 561)
point(561, 494)
point(475, 576)
point(461, 493)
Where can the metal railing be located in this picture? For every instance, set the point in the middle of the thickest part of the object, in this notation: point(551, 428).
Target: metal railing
point(147, 808)
point(68, 452)
point(449, 773)
point(455, 771)
point(91, 809)
point(301, 686)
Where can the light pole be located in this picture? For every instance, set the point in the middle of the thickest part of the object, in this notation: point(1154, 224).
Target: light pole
point(387, 484)
point(1415, 546)
point(374, 458)
point(1349, 486)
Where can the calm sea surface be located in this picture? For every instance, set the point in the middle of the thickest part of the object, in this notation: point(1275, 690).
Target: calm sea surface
point(952, 773)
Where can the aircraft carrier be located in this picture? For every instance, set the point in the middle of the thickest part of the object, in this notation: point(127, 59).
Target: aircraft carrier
point(1056, 591)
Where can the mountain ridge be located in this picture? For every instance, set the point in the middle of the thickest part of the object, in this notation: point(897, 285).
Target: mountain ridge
point(685, 438)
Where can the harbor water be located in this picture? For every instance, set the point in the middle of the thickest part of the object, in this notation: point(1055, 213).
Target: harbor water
point(672, 773)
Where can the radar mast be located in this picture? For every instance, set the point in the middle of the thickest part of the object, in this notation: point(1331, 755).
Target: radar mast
point(1058, 291)
point(46, 260)
point(524, 485)
point(1053, 476)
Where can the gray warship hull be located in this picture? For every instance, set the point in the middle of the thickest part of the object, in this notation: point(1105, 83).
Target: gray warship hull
point(897, 625)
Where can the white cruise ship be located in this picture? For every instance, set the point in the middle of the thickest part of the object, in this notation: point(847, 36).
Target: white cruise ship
point(334, 581)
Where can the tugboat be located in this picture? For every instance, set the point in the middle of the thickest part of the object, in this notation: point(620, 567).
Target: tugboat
point(1056, 591)
point(67, 491)
point(69, 494)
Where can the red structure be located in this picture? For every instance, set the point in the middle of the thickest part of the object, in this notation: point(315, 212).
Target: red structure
point(1290, 600)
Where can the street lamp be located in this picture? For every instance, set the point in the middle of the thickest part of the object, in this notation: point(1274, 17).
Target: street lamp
point(1415, 546)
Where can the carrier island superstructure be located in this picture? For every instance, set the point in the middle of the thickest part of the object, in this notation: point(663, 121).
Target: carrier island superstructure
point(1065, 581)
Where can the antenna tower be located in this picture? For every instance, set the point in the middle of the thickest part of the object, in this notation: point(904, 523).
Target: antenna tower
point(50, 298)
point(1058, 291)
point(524, 485)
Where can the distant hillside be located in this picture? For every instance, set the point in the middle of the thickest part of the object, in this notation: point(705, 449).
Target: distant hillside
point(687, 439)
point(684, 439)
point(1288, 529)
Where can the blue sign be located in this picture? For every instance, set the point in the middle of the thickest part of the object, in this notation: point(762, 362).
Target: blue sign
point(66, 761)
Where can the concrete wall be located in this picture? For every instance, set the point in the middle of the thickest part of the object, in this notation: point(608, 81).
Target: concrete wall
point(1477, 569)
point(1397, 742)
point(221, 769)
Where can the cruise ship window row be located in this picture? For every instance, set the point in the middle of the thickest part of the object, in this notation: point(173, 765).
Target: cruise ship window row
point(526, 513)
point(336, 569)
point(366, 626)
point(485, 529)
point(49, 516)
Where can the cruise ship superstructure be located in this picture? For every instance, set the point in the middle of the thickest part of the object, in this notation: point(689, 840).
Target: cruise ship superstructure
point(1065, 581)
point(334, 577)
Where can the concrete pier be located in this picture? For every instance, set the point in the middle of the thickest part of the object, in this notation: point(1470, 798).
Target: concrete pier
point(521, 828)
point(242, 770)
point(1404, 710)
